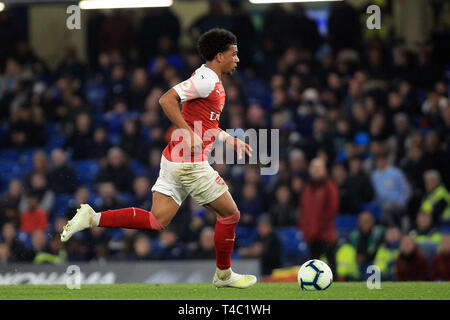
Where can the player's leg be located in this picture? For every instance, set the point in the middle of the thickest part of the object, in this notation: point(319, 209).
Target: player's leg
point(168, 194)
point(163, 210)
point(224, 237)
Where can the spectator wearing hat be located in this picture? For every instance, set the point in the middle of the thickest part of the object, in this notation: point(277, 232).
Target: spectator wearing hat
point(362, 142)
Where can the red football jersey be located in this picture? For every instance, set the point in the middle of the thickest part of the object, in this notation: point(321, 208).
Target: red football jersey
point(203, 98)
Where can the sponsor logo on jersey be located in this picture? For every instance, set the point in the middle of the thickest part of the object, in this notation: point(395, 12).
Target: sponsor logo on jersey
point(214, 116)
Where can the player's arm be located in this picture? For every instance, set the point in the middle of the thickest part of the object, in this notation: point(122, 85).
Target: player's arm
point(170, 104)
point(238, 145)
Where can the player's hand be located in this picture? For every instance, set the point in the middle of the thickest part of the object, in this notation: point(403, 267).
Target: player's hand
point(240, 147)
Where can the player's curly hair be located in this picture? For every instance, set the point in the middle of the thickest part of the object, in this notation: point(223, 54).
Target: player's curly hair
point(214, 41)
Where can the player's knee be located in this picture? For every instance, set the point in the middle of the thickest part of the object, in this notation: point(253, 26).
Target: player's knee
point(231, 211)
point(163, 219)
point(231, 219)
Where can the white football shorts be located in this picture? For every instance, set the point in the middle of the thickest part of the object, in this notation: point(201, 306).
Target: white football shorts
point(197, 179)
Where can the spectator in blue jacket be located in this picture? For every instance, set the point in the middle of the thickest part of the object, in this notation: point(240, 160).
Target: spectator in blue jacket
point(392, 190)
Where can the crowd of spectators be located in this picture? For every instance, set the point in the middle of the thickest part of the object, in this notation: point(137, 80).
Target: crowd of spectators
point(374, 113)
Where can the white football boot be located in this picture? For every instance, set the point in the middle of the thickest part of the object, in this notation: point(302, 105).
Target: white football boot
point(85, 217)
point(228, 278)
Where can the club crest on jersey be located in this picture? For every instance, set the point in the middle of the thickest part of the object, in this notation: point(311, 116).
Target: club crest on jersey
point(220, 181)
point(186, 85)
point(214, 116)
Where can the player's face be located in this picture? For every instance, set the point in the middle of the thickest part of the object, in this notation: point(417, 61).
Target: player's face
point(230, 59)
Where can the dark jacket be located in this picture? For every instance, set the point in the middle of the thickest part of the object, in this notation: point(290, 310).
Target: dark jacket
point(122, 177)
point(63, 180)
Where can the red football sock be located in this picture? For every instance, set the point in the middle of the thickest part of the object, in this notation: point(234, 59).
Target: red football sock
point(224, 240)
point(131, 218)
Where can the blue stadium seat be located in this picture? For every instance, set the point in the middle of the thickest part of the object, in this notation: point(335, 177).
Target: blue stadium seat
point(290, 238)
point(87, 171)
point(61, 203)
point(346, 224)
point(55, 141)
point(125, 197)
point(26, 239)
point(26, 156)
point(245, 235)
point(117, 233)
point(9, 170)
point(137, 167)
point(374, 208)
point(156, 245)
point(294, 249)
point(114, 138)
point(9, 154)
point(52, 128)
point(235, 255)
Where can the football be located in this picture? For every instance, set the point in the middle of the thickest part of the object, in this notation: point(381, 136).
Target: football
point(315, 275)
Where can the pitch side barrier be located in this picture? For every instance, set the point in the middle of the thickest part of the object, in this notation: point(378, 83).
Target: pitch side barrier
point(118, 272)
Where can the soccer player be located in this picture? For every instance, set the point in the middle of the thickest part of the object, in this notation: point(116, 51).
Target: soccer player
point(184, 165)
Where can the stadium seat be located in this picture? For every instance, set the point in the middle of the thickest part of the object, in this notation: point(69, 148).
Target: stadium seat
point(26, 155)
point(52, 128)
point(117, 233)
point(137, 167)
point(9, 170)
point(61, 203)
point(235, 255)
point(245, 235)
point(87, 171)
point(290, 238)
point(294, 249)
point(55, 140)
point(125, 197)
point(374, 208)
point(156, 246)
point(346, 224)
point(25, 238)
point(9, 154)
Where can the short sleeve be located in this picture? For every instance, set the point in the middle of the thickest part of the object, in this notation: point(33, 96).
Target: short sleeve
point(197, 86)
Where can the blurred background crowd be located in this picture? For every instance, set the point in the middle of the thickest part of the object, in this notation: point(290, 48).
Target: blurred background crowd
point(364, 125)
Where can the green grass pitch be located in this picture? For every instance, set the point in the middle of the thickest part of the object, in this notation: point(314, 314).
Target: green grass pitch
point(205, 291)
